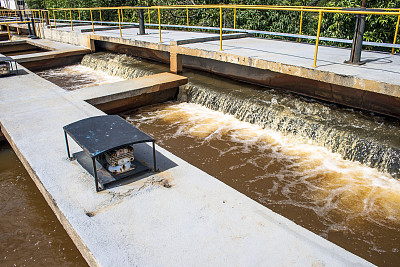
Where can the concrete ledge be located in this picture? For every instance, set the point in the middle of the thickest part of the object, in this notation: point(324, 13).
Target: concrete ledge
point(13, 42)
point(129, 94)
point(102, 94)
point(59, 54)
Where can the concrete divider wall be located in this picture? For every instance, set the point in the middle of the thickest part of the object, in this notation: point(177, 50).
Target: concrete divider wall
point(74, 38)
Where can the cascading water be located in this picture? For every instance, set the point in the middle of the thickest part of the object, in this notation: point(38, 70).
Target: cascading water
point(121, 65)
point(371, 140)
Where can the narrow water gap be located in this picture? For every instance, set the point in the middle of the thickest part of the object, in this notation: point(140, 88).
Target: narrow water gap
point(31, 234)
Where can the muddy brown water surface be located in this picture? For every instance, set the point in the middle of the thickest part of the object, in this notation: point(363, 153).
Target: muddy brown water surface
point(354, 206)
point(30, 233)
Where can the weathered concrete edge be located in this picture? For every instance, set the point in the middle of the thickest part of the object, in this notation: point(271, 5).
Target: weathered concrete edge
point(303, 72)
point(97, 95)
point(50, 55)
point(6, 43)
point(75, 237)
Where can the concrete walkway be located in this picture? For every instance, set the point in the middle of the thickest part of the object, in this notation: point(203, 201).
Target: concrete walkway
point(180, 216)
point(56, 50)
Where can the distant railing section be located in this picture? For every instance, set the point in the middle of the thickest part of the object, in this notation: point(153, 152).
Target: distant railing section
point(51, 16)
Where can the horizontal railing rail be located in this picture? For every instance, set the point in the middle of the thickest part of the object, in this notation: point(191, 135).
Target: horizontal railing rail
point(51, 16)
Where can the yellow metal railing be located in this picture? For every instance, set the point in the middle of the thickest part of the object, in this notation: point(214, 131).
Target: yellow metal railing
point(8, 26)
point(320, 11)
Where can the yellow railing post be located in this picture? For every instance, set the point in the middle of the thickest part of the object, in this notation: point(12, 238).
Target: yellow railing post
point(395, 34)
point(79, 14)
point(187, 16)
point(122, 15)
point(54, 17)
point(23, 16)
point(148, 13)
point(101, 20)
point(70, 16)
point(8, 30)
point(48, 16)
point(91, 18)
point(119, 20)
point(317, 41)
point(36, 28)
point(65, 14)
point(40, 24)
point(220, 29)
point(159, 23)
point(234, 17)
point(301, 22)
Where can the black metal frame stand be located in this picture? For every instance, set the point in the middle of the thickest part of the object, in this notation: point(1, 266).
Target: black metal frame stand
point(97, 135)
point(10, 61)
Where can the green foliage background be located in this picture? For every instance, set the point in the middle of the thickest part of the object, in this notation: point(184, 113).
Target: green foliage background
point(378, 28)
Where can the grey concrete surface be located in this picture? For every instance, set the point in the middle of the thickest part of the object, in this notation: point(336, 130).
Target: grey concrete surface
point(179, 216)
point(56, 50)
point(129, 88)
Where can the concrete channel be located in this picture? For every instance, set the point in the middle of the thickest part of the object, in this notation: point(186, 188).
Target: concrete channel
point(179, 215)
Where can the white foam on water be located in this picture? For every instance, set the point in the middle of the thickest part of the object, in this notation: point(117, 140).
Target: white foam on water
point(330, 184)
point(77, 76)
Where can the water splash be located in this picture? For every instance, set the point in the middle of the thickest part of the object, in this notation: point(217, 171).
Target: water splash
point(121, 65)
point(77, 76)
point(369, 140)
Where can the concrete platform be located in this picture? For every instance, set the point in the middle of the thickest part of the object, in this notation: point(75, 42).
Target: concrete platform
point(58, 54)
point(180, 216)
point(134, 93)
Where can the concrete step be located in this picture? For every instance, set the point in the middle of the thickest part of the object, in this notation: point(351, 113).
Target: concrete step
point(133, 93)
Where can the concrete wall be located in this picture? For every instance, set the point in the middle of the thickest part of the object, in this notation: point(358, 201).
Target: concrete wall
point(74, 38)
point(348, 96)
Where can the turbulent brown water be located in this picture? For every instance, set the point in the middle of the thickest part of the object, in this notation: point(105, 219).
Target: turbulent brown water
point(30, 233)
point(354, 206)
point(76, 77)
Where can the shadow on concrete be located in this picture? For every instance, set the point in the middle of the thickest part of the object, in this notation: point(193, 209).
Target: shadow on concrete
point(378, 60)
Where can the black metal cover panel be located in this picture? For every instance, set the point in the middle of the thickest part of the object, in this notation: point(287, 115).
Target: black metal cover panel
point(99, 134)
